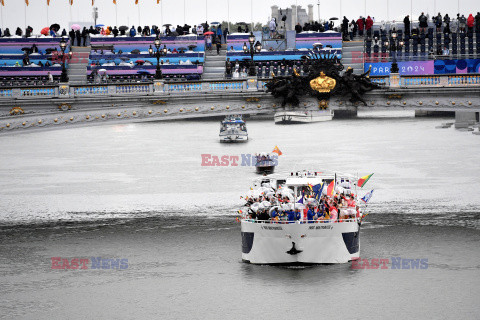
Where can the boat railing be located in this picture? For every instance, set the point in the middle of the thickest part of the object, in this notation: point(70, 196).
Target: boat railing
point(320, 221)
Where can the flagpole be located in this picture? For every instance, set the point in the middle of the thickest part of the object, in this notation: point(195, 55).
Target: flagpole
point(138, 7)
point(161, 15)
point(25, 3)
point(116, 14)
point(184, 21)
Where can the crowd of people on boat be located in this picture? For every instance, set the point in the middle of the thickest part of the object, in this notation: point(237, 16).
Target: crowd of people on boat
point(282, 207)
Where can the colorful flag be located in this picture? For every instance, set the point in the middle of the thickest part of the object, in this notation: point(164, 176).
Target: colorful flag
point(71, 2)
point(158, 1)
point(93, 2)
point(26, 2)
point(363, 180)
point(277, 151)
point(317, 189)
point(3, 4)
point(367, 197)
point(114, 1)
point(331, 188)
point(48, 2)
point(136, 1)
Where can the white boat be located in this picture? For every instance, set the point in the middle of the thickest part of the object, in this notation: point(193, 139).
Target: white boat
point(233, 129)
point(302, 241)
point(302, 116)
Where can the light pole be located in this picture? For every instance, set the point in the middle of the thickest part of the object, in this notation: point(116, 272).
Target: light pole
point(158, 53)
point(395, 44)
point(63, 75)
point(254, 47)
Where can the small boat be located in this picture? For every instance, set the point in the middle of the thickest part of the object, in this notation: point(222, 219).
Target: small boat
point(302, 116)
point(233, 129)
point(271, 236)
point(266, 163)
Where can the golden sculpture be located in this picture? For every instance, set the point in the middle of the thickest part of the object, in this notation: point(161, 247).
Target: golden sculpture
point(16, 110)
point(323, 83)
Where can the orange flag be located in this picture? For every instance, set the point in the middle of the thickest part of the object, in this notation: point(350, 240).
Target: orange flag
point(48, 2)
point(136, 1)
point(71, 2)
point(158, 1)
point(93, 2)
point(114, 1)
point(3, 4)
point(277, 151)
point(26, 2)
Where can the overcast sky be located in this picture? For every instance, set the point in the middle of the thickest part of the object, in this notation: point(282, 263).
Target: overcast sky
point(148, 12)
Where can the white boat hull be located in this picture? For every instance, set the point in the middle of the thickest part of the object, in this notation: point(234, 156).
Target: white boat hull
point(316, 243)
point(307, 116)
point(234, 137)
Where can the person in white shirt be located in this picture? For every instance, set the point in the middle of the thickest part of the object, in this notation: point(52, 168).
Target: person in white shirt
point(273, 27)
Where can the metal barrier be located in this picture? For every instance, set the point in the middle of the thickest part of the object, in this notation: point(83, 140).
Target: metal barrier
point(34, 92)
point(90, 90)
point(227, 85)
point(183, 87)
point(299, 221)
point(7, 93)
point(133, 88)
point(463, 80)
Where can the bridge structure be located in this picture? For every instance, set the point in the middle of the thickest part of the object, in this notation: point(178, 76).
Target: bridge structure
point(23, 108)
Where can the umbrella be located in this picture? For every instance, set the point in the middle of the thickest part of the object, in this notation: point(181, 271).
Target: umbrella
point(55, 27)
point(140, 62)
point(333, 18)
point(26, 49)
point(143, 71)
point(214, 22)
point(75, 27)
point(45, 31)
point(242, 23)
point(122, 28)
point(124, 58)
point(167, 25)
point(135, 51)
point(99, 25)
point(208, 33)
point(50, 50)
point(192, 46)
point(182, 49)
point(102, 70)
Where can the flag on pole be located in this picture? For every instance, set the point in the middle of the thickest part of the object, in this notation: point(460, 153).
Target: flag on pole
point(93, 3)
point(158, 1)
point(26, 2)
point(367, 197)
point(71, 2)
point(277, 151)
point(317, 189)
point(331, 188)
point(363, 180)
point(3, 4)
point(136, 1)
point(114, 1)
point(48, 2)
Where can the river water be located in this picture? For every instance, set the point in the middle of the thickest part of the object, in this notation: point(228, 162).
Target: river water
point(140, 192)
